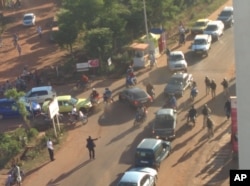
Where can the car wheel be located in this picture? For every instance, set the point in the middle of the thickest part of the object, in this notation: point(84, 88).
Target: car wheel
point(1, 116)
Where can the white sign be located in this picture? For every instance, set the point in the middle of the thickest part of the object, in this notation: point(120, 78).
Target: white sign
point(82, 67)
point(53, 108)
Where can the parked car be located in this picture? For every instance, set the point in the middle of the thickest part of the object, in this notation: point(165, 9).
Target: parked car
point(29, 19)
point(178, 83)
point(135, 96)
point(165, 122)
point(139, 176)
point(215, 29)
point(177, 61)
point(8, 109)
point(40, 94)
point(201, 44)
point(66, 103)
point(199, 26)
point(226, 16)
point(151, 152)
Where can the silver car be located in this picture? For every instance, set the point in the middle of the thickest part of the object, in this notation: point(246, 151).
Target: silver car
point(29, 19)
point(177, 61)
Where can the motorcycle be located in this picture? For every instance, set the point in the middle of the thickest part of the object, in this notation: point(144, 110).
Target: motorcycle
point(152, 93)
point(131, 81)
point(80, 117)
point(13, 179)
point(140, 117)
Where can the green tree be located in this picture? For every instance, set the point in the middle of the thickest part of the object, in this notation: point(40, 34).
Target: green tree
point(20, 105)
point(98, 43)
point(68, 30)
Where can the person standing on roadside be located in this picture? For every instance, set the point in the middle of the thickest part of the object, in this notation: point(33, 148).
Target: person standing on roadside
point(205, 112)
point(210, 127)
point(19, 49)
point(91, 147)
point(225, 84)
point(207, 84)
point(227, 108)
point(213, 86)
point(50, 149)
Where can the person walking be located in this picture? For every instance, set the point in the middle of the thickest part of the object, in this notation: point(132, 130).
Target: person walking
point(227, 108)
point(207, 84)
point(39, 31)
point(205, 112)
point(210, 127)
point(91, 147)
point(50, 149)
point(225, 85)
point(213, 86)
point(19, 49)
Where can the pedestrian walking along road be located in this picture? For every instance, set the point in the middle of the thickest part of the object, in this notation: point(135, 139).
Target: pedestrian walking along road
point(91, 147)
point(227, 108)
point(225, 84)
point(213, 86)
point(210, 127)
point(207, 84)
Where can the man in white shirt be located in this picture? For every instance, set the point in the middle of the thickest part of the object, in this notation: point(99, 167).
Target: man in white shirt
point(50, 149)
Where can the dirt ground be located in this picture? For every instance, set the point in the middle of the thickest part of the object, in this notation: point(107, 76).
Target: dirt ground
point(37, 53)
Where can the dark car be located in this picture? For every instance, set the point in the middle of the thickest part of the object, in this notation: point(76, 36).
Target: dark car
point(178, 83)
point(135, 96)
point(151, 152)
point(165, 123)
point(226, 16)
point(8, 109)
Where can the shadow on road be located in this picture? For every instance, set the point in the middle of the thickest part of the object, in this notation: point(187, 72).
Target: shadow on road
point(67, 174)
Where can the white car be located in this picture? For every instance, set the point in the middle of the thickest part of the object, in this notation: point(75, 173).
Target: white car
point(29, 19)
point(201, 44)
point(139, 176)
point(215, 29)
point(177, 61)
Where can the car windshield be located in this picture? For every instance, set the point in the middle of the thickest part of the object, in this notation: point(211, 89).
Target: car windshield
point(140, 94)
point(144, 154)
point(176, 57)
point(73, 101)
point(164, 121)
point(200, 24)
point(28, 18)
point(211, 28)
point(175, 81)
point(225, 14)
point(127, 184)
point(200, 42)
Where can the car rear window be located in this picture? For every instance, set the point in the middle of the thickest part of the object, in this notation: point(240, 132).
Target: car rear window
point(144, 153)
point(176, 57)
point(164, 121)
point(200, 42)
point(139, 94)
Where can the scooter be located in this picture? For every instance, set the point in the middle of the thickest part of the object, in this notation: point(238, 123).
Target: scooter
point(140, 118)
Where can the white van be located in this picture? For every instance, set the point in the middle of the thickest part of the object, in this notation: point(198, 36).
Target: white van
point(215, 29)
point(40, 94)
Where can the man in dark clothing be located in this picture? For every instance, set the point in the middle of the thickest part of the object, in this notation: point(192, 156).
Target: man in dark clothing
point(91, 147)
point(205, 112)
point(225, 83)
point(213, 88)
point(210, 127)
point(227, 108)
point(207, 84)
point(149, 88)
point(192, 113)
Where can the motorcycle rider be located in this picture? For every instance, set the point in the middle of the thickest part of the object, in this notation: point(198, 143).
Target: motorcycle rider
point(150, 89)
point(140, 112)
point(107, 95)
point(94, 96)
point(192, 113)
point(14, 176)
point(74, 112)
point(172, 102)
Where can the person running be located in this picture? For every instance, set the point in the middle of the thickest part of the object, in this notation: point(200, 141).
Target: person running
point(205, 112)
point(207, 84)
point(210, 127)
